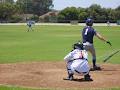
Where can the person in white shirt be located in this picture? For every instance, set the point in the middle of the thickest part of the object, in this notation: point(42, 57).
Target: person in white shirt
point(77, 62)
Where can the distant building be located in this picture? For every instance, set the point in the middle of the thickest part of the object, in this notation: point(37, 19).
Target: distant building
point(51, 13)
point(49, 17)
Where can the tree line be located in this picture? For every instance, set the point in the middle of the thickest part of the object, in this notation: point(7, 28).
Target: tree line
point(95, 11)
point(11, 11)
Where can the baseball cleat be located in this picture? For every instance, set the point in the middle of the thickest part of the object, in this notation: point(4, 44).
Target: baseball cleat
point(70, 77)
point(95, 68)
point(87, 78)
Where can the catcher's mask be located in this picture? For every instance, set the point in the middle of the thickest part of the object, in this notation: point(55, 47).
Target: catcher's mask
point(78, 46)
point(89, 22)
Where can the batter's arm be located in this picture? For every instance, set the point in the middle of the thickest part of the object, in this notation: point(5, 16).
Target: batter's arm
point(102, 38)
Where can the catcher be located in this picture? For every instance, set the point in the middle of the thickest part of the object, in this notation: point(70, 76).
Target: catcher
point(77, 63)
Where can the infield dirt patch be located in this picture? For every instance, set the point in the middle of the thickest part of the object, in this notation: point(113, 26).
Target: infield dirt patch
point(51, 74)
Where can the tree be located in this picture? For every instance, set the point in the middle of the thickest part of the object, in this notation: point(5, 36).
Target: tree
point(117, 13)
point(118, 8)
point(10, 1)
point(70, 13)
point(25, 5)
point(38, 7)
point(82, 14)
point(7, 10)
point(94, 11)
point(41, 6)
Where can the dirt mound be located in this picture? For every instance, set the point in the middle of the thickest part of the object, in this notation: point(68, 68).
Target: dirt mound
point(51, 74)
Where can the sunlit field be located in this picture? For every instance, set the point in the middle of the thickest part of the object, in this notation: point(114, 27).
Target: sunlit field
point(51, 43)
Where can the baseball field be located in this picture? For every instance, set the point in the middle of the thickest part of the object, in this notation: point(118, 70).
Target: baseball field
point(34, 60)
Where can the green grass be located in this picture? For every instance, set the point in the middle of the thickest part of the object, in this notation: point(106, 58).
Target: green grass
point(51, 43)
point(19, 88)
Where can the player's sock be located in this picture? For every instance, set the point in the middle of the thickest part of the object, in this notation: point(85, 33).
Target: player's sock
point(94, 62)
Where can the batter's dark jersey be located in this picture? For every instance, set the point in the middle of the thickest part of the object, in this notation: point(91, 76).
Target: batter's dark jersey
point(88, 34)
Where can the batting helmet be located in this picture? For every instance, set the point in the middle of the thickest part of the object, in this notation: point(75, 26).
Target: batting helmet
point(89, 22)
point(78, 46)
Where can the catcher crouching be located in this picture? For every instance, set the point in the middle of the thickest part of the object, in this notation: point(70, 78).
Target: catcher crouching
point(77, 63)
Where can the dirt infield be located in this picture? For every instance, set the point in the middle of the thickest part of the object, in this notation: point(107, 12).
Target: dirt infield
point(51, 74)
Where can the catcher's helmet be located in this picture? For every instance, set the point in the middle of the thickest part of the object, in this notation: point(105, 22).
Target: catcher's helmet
point(89, 22)
point(78, 46)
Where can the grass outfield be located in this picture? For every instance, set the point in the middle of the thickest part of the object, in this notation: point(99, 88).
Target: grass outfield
point(19, 88)
point(51, 43)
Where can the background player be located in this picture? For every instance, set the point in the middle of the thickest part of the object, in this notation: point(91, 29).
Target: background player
point(77, 62)
point(29, 24)
point(87, 37)
point(108, 23)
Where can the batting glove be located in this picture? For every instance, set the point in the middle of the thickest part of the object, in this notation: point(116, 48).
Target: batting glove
point(108, 42)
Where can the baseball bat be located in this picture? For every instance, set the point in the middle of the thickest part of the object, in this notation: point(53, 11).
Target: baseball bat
point(112, 54)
